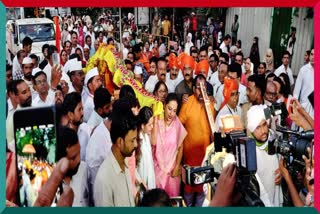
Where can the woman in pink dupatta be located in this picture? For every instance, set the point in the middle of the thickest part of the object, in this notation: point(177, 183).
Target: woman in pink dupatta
point(167, 147)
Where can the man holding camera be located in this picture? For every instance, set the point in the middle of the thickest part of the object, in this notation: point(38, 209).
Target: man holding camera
point(267, 165)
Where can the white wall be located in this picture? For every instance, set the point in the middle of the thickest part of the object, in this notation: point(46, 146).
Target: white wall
point(304, 37)
point(252, 22)
point(257, 22)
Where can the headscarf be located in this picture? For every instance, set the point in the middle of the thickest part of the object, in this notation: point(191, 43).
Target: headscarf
point(229, 86)
point(255, 115)
point(203, 65)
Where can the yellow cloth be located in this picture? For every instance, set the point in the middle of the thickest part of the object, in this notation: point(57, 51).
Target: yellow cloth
point(107, 59)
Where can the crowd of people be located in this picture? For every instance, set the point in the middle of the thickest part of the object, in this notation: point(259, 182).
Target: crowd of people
point(112, 144)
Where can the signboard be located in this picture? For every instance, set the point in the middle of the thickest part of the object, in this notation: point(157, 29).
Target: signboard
point(143, 16)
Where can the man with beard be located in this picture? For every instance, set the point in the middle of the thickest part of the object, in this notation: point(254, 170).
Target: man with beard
point(161, 75)
point(267, 165)
point(194, 118)
point(92, 82)
point(255, 93)
point(58, 96)
point(76, 177)
point(23, 97)
point(73, 68)
point(27, 67)
point(72, 111)
point(97, 148)
point(112, 186)
point(102, 109)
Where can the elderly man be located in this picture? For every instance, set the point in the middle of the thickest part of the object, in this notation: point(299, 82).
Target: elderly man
point(194, 117)
point(73, 68)
point(270, 95)
point(230, 103)
point(267, 165)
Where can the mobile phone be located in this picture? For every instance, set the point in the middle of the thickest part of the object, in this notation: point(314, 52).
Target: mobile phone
point(56, 59)
point(311, 99)
point(176, 201)
point(36, 145)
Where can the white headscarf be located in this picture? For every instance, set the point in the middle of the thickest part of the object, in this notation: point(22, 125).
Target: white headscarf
point(255, 115)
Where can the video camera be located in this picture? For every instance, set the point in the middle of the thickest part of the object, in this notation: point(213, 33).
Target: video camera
point(244, 151)
point(293, 146)
point(243, 148)
point(277, 109)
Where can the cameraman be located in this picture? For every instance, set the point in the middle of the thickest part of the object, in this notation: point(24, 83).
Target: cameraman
point(302, 119)
point(308, 181)
point(267, 165)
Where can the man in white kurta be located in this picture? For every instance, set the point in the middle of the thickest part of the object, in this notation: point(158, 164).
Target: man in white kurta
point(92, 81)
point(305, 82)
point(267, 165)
point(96, 151)
point(230, 103)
